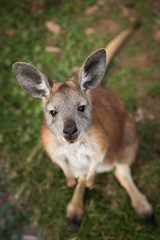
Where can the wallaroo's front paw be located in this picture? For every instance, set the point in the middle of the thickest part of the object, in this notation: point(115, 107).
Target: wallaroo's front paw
point(90, 183)
point(71, 182)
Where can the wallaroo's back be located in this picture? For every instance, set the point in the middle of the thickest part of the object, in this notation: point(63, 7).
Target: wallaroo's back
point(87, 129)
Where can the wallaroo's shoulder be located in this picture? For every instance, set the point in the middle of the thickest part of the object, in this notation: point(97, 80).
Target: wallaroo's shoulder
point(106, 96)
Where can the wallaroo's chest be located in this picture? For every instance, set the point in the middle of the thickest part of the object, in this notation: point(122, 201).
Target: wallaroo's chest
point(78, 154)
point(81, 155)
point(78, 157)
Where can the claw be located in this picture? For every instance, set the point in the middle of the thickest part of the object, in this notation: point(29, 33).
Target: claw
point(90, 183)
point(71, 182)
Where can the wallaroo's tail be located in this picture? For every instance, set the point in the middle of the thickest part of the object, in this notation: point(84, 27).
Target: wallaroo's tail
point(118, 41)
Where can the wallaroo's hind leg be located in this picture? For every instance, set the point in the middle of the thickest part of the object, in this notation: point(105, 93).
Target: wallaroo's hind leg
point(75, 207)
point(138, 200)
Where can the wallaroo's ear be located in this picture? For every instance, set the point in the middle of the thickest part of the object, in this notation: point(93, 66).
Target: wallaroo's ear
point(93, 70)
point(31, 79)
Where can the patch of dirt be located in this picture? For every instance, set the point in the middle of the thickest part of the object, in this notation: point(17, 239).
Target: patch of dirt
point(140, 60)
point(156, 7)
point(107, 25)
point(150, 109)
point(34, 6)
point(156, 33)
point(10, 32)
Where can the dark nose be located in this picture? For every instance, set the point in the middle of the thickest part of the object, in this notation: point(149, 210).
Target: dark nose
point(70, 128)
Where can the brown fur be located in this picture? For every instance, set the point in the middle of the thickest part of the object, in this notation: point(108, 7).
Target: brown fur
point(113, 126)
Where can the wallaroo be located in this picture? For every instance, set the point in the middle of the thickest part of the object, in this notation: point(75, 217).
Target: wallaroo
point(87, 129)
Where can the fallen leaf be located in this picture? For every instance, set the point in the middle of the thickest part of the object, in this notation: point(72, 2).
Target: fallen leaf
point(127, 11)
point(29, 237)
point(10, 32)
point(101, 3)
point(142, 114)
point(52, 26)
point(91, 10)
point(109, 25)
point(139, 227)
point(74, 69)
point(53, 49)
point(139, 115)
point(20, 191)
point(89, 31)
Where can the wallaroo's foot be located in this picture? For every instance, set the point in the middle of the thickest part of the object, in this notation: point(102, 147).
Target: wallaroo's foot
point(144, 210)
point(150, 220)
point(74, 214)
point(71, 182)
point(73, 223)
point(142, 207)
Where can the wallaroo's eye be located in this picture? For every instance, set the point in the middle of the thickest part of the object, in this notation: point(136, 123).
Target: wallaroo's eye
point(81, 108)
point(53, 113)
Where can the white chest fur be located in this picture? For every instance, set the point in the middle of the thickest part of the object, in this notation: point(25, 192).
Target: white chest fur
point(79, 156)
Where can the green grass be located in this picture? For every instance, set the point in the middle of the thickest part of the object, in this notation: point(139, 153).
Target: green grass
point(33, 192)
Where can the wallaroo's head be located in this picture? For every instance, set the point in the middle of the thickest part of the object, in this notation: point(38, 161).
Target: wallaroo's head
point(67, 106)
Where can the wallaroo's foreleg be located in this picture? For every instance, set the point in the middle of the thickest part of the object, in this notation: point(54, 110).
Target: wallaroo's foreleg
point(90, 178)
point(75, 207)
point(138, 200)
point(95, 162)
point(61, 162)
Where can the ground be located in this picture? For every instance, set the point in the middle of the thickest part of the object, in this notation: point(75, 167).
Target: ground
point(56, 36)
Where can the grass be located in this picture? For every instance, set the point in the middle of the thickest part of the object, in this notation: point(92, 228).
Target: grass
point(33, 190)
